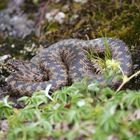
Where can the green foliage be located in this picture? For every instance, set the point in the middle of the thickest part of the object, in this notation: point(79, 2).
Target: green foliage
point(79, 111)
point(5, 108)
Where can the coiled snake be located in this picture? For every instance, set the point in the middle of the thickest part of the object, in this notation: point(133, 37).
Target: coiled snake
point(62, 62)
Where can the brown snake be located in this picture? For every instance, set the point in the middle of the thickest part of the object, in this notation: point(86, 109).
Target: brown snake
point(62, 62)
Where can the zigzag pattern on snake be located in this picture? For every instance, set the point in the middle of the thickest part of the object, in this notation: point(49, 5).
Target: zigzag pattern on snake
point(62, 62)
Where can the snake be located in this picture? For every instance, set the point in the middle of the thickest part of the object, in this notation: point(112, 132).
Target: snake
point(63, 63)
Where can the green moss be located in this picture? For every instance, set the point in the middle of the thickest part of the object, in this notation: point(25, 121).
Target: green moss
point(112, 18)
point(3, 4)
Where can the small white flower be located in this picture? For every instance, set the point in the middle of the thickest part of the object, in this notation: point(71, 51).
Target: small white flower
point(49, 17)
point(55, 15)
point(60, 17)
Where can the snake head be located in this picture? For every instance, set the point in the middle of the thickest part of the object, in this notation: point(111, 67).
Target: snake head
point(14, 65)
point(24, 70)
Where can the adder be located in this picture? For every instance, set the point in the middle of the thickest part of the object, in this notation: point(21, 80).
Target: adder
point(63, 62)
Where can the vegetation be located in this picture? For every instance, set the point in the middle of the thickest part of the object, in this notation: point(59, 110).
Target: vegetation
point(73, 113)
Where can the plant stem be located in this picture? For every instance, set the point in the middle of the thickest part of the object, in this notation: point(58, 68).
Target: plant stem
point(128, 79)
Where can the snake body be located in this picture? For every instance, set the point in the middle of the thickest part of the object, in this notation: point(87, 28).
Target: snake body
point(62, 62)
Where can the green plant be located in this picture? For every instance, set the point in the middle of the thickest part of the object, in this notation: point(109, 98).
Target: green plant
point(5, 108)
point(81, 110)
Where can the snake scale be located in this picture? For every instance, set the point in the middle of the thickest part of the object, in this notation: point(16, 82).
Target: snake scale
point(62, 62)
